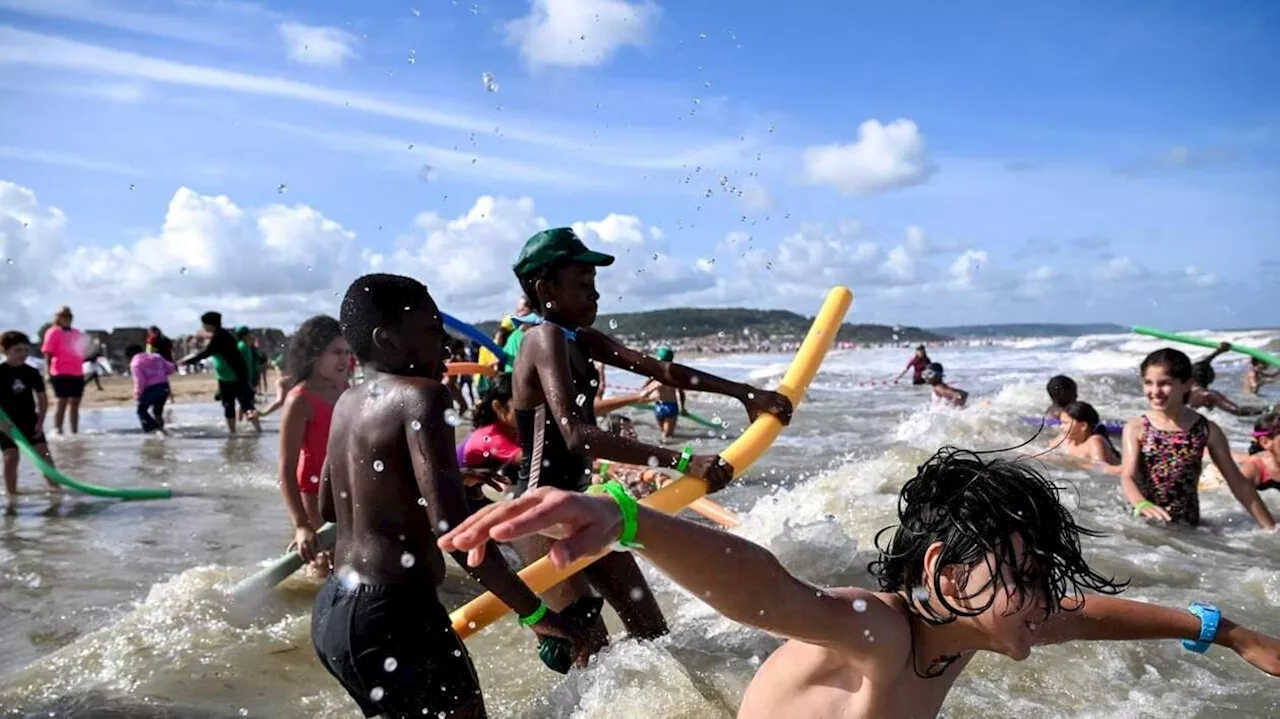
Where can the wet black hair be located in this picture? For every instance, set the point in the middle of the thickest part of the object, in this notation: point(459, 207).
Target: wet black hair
point(1269, 422)
point(976, 508)
point(378, 300)
point(499, 391)
point(934, 371)
point(213, 319)
point(1175, 362)
point(1062, 390)
point(13, 338)
point(132, 350)
point(307, 344)
point(1084, 412)
point(1202, 373)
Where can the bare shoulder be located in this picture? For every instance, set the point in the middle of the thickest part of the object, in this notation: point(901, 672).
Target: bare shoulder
point(884, 620)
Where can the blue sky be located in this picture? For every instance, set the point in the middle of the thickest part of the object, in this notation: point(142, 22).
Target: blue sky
point(952, 162)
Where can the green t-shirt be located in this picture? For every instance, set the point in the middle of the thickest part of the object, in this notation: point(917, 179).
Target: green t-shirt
point(512, 348)
point(223, 371)
point(250, 361)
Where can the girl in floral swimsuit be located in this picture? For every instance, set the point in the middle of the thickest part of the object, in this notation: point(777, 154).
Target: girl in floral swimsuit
point(1164, 449)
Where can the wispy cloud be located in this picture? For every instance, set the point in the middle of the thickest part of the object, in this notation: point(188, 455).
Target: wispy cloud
point(105, 14)
point(62, 159)
point(319, 46)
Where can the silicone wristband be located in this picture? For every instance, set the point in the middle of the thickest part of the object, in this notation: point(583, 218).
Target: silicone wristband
point(536, 617)
point(604, 470)
point(1137, 508)
point(629, 509)
point(686, 454)
point(1210, 616)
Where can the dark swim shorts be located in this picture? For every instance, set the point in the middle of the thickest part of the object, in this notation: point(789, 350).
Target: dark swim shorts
point(67, 386)
point(393, 648)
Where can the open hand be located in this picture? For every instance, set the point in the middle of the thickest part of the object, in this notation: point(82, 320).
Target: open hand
point(759, 401)
point(585, 525)
point(1258, 649)
point(1155, 511)
point(711, 468)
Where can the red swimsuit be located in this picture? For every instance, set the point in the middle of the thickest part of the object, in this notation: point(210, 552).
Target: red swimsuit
point(315, 443)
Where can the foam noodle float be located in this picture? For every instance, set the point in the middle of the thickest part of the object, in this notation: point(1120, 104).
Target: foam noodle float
point(465, 368)
point(742, 453)
point(56, 475)
point(1257, 354)
point(261, 582)
point(473, 334)
point(690, 415)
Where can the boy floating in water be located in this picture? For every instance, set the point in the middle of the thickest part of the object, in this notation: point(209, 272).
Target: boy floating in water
point(390, 483)
point(554, 384)
point(24, 402)
point(669, 405)
point(933, 376)
point(984, 558)
point(1164, 449)
point(150, 374)
point(1062, 392)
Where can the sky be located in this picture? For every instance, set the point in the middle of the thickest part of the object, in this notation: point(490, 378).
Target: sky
point(953, 163)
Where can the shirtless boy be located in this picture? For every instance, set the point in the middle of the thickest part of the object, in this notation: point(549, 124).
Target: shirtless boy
point(984, 558)
point(669, 402)
point(943, 392)
point(390, 483)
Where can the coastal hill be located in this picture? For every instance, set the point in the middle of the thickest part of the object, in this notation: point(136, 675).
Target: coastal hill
point(733, 324)
point(1030, 330)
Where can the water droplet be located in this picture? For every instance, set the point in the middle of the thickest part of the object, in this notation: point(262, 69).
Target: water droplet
point(415, 425)
point(314, 479)
point(702, 36)
point(377, 694)
point(282, 188)
point(715, 419)
point(389, 664)
point(613, 324)
point(243, 712)
point(378, 465)
point(412, 59)
point(921, 594)
point(580, 400)
point(595, 383)
point(457, 652)
point(859, 605)
point(181, 270)
point(490, 83)
point(751, 395)
point(637, 594)
point(443, 525)
point(407, 560)
point(344, 494)
point(452, 418)
point(422, 502)
point(417, 12)
point(653, 461)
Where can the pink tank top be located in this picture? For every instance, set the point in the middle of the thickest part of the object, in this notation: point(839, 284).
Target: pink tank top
point(315, 442)
point(63, 350)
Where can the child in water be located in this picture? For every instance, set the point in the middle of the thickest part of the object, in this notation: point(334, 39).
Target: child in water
point(554, 384)
point(1202, 375)
point(491, 454)
point(1164, 449)
point(150, 374)
point(318, 361)
point(1258, 375)
point(933, 376)
point(24, 403)
point(984, 558)
point(1085, 438)
point(390, 483)
point(1062, 392)
point(1262, 466)
point(669, 403)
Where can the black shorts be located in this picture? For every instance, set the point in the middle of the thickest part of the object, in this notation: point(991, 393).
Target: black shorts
point(67, 386)
point(231, 392)
point(393, 648)
point(28, 429)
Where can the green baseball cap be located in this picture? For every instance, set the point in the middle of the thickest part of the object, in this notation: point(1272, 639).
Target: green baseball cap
point(558, 244)
point(242, 331)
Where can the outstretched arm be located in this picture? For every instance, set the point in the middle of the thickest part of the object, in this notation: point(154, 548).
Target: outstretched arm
point(1246, 492)
point(1222, 348)
point(1220, 400)
point(709, 563)
point(1099, 618)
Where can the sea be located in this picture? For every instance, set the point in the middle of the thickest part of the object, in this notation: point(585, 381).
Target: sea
point(117, 609)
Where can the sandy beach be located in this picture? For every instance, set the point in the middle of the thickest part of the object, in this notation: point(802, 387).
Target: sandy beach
point(117, 390)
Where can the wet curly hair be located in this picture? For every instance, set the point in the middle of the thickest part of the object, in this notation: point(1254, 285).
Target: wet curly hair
point(307, 344)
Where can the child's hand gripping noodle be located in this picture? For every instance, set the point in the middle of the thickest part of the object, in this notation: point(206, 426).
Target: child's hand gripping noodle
point(984, 558)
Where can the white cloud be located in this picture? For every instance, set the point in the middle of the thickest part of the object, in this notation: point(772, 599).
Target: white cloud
point(615, 230)
point(885, 157)
point(1119, 268)
point(581, 33)
point(968, 266)
point(1200, 278)
point(316, 45)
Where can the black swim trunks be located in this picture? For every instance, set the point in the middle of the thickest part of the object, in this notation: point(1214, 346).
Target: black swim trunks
point(67, 386)
point(231, 392)
point(548, 461)
point(393, 648)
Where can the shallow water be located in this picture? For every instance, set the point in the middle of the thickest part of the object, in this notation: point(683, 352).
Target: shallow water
point(114, 609)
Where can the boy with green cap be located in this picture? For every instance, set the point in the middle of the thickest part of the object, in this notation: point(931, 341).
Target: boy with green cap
point(670, 403)
point(553, 387)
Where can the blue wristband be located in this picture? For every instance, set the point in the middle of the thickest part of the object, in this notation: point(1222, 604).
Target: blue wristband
point(1209, 618)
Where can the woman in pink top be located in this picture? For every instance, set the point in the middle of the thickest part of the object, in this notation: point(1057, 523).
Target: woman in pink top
point(63, 350)
point(317, 359)
point(150, 374)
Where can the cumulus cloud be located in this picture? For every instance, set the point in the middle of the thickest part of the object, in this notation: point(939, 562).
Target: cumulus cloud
point(317, 45)
point(581, 33)
point(1119, 268)
point(885, 157)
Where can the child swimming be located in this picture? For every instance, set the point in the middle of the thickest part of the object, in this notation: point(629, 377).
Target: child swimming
point(1164, 449)
point(669, 402)
point(984, 558)
point(1202, 375)
point(151, 390)
point(1085, 438)
point(1262, 466)
point(1062, 392)
point(553, 386)
point(23, 400)
point(318, 362)
point(1259, 374)
point(390, 483)
point(933, 376)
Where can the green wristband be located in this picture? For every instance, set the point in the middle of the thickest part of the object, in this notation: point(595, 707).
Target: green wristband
point(1137, 508)
point(630, 512)
point(536, 617)
point(686, 454)
point(604, 470)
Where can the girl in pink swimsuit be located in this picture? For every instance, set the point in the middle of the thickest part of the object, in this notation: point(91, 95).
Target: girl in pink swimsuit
point(1262, 466)
point(1164, 449)
point(318, 358)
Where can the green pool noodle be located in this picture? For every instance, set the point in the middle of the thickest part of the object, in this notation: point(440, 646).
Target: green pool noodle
point(1257, 354)
point(56, 475)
